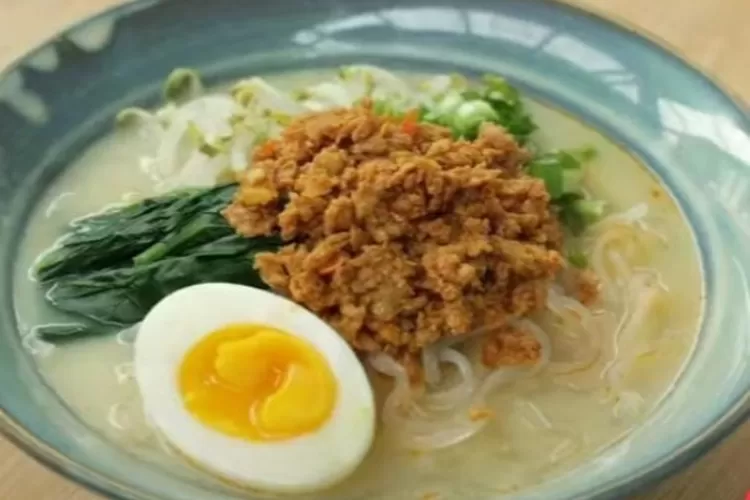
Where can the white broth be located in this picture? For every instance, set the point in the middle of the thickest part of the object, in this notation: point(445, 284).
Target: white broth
point(543, 425)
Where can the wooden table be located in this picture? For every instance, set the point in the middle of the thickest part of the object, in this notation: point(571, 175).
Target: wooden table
point(713, 34)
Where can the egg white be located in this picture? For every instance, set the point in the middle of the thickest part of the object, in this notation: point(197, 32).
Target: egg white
point(306, 463)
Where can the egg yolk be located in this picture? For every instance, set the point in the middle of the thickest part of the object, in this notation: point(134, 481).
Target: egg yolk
point(258, 383)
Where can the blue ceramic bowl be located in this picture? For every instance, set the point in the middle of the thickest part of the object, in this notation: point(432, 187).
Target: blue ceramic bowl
point(692, 134)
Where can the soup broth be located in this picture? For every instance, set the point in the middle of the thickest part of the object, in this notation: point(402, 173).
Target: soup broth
point(543, 425)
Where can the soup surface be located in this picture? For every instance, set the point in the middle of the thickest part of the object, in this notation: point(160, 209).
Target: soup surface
point(543, 425)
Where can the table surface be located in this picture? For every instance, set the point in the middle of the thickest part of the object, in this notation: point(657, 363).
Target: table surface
point(712, 34)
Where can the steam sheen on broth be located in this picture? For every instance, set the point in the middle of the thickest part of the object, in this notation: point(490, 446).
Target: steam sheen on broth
point(608, 367)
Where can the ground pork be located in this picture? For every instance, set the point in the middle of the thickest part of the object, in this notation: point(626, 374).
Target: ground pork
point(509, 345)
point(586, 286)
point(399, 235)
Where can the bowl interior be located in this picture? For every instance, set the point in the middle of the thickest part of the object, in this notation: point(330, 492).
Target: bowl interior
point(691, 134)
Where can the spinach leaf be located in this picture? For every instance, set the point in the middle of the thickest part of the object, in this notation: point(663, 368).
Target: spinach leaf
point(112, 237)
point(115, 266)
point(204, 228)
point(124, 295)
point(63, 332)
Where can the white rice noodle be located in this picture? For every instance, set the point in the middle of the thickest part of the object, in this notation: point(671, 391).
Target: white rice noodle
point(449, 398)
point(635, 215)
point(644, 290)
point(416, 427)
point(440, 415)
point(629, 294)
point(609, 266)
point(629, 232)
point(559, 303)
point(431, 354)
point(431, 366)
point(589, 333)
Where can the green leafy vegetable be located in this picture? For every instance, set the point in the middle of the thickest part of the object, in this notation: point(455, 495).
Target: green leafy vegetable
point(114, 266)
point(204, 228)
point(124, 295)
point(62, 332)
point(109, 238)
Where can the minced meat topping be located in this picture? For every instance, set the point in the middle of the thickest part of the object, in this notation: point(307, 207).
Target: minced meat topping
point(399, 235)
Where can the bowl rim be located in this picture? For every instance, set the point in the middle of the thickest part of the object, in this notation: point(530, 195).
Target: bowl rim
point(644, 476)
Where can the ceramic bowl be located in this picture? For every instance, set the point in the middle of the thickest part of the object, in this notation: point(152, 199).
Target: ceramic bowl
point(686, 129)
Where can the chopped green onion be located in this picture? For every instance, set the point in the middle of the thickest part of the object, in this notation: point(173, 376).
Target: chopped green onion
point(578, 259)
point(499, 90)
point(551, 173)
point(501, 104)
point(590, 210)
point(182, 84)
point(584, 154)
point(576, 213)
point(572, 178)
point(507, 103)
point(569, 163)
point(445, 107)
point(469, 117)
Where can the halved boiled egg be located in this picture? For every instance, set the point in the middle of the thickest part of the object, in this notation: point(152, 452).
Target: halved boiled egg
point(254, 388)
